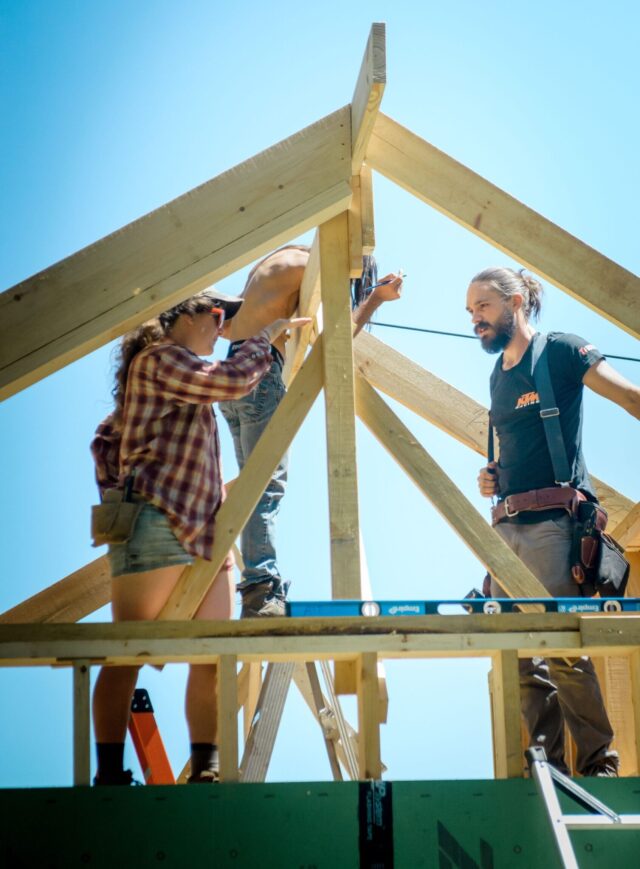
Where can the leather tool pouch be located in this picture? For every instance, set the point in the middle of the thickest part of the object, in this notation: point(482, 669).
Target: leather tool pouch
point(598, 564)
point(114, 521)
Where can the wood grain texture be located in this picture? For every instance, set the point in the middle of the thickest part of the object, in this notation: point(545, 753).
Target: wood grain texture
point(95, 295)
point(369, 763)
point(505, 715)
point(367, 95)
point(495, 216)
point(346, 579)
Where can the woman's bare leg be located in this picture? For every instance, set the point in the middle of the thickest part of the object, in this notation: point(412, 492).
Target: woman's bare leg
point(135, 597)
point(201, 703)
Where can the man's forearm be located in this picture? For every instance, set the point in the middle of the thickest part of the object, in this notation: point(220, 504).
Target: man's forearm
point(364, 312)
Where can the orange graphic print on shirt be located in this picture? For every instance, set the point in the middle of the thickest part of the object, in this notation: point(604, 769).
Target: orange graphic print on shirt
point(527, 399)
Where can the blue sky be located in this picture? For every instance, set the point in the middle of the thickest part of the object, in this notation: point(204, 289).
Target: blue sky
point(110, 109)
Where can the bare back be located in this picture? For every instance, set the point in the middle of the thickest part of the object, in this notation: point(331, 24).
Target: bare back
point(271, 292)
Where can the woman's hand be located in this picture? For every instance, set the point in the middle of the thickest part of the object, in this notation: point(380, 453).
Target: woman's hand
point(275, 329)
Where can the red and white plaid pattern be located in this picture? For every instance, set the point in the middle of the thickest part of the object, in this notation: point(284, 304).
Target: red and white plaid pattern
point(168, 435)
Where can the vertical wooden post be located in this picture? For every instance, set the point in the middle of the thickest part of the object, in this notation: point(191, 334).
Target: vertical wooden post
point(366, 210)
point(227, 690)
point(505, 708)
point(81, 723)
point(340, 408)
point(355, 230)
point(369, 763)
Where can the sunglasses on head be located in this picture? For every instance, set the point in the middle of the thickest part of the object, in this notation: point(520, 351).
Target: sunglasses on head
point(219, 314)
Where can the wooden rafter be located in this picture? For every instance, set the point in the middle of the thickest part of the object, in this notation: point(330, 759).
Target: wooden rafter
point(97, 294)
point(512, 227)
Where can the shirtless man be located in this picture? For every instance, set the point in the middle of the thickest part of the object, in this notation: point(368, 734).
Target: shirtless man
point(272, 292)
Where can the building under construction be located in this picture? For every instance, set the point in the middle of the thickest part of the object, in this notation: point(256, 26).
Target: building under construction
point(321, 178)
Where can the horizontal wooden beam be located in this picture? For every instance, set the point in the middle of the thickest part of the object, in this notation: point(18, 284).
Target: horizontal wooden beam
point(87, 299)
point(495, 216)
point(514, 577)
point(367, 95)
point(445, 406)
point(316, 639)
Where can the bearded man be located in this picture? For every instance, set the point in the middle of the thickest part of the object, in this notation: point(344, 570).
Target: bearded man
point(501, 303)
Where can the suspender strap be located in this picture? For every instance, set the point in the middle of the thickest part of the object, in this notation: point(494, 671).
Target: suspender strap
point(549, 411)
point(490, 447)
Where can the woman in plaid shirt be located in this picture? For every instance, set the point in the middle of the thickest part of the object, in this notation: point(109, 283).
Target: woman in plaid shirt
point(162, 441)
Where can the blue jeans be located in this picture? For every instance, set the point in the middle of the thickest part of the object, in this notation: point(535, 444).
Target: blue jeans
point(247, 418)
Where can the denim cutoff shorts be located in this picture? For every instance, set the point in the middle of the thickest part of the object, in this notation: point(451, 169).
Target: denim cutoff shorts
point(152, 545)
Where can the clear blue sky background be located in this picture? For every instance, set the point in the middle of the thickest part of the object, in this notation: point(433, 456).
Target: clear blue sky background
point(110, 109)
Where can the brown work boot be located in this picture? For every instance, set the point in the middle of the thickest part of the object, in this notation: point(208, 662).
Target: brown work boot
point(260, 601)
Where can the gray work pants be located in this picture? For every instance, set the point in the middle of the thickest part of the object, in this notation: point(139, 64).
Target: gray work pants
point(557, 689)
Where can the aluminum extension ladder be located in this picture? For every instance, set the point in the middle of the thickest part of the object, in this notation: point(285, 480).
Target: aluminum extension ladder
point(601, 817)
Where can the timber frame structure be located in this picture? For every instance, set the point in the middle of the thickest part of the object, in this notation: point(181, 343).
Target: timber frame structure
point(320, 177)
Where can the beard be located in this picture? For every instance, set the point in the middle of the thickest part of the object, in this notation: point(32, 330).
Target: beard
point(500, 333)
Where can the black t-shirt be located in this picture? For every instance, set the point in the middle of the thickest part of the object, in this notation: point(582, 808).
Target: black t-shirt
point(525, 462)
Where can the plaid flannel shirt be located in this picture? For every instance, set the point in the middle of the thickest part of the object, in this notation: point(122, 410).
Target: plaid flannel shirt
point(168, 435)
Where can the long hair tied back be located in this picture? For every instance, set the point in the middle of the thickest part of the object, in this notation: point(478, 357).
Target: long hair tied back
point(148, 333)
point(508, 281)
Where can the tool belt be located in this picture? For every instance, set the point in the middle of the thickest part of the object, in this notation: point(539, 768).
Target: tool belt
point(114, 520)
point(563, 497)
point(598, 565)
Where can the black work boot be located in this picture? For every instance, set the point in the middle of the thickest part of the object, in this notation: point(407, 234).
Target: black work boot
point(605, 767)
point(259, 600)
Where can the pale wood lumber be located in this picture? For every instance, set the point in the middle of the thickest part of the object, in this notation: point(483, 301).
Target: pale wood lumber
point(196, 579)
point(308, 304)
point(369, 763)
point(345, 672)
point(484, 542)
point(505, 715)
point(617, 633)
point(627, 531)
point(227, 693)
point(355, 230)
point(81, 723)
point(366, 210)
point(69, 600)
point(445, 406)
point(95, 295)
point(367, 95)
point(266, 722)
point(622, 626)
point(340, 409)
point(348, 736)
point(495, 216)
point(254, 686)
